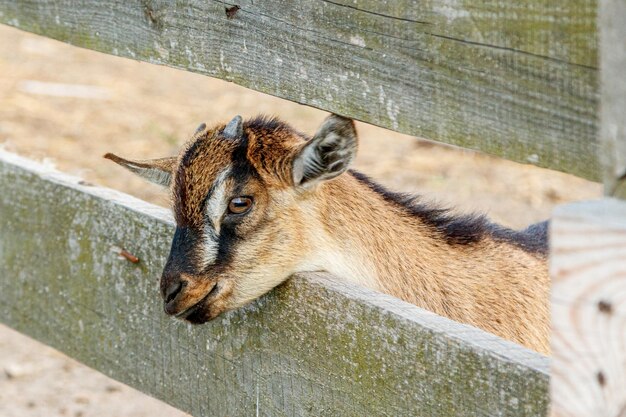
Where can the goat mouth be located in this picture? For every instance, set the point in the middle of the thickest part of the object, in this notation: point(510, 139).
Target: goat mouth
point(197, 307)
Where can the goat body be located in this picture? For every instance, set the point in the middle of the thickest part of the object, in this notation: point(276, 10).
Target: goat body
point(257, 201)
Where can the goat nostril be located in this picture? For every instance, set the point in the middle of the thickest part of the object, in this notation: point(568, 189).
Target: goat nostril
point(173, 291)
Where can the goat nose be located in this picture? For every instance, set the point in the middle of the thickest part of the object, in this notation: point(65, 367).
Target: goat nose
point(172, 290)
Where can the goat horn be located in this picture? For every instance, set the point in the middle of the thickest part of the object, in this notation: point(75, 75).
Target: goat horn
point(234, 128)
point(200, 128)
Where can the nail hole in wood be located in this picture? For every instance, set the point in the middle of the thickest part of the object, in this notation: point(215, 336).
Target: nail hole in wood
point(151, 14)
point(605, 307)
point(232, 11)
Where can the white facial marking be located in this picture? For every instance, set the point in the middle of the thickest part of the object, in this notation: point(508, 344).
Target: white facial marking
point(349, 265)
point(215, 207)
point(339, 257)
point(210, 245)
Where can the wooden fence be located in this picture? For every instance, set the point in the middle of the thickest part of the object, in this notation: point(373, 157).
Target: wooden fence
point(314, 347)
point(518, 79)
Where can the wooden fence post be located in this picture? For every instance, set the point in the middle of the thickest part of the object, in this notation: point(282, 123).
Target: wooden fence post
point(588, 262)
point(612, 26)
point(589, 310)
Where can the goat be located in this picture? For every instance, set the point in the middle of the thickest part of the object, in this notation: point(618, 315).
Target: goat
point(257, 201)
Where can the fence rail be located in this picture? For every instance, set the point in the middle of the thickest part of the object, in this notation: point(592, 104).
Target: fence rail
point(515, 79)
point(312, 347)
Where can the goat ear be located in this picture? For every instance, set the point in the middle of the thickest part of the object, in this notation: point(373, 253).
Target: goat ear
point(328, 154)
point(158, 171)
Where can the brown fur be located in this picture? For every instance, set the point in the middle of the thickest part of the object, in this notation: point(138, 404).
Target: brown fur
point(492, 285)
point(342, 225)
point(194, 175)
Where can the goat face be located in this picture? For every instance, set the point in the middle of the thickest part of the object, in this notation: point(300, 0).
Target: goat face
point(241, 196)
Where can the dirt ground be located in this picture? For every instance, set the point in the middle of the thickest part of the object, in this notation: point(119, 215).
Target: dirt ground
point(70, 106)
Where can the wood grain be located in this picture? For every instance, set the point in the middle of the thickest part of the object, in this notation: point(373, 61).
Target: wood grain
point(589, 310)
point(612, 20)
point(517, 79)
point(314, 346)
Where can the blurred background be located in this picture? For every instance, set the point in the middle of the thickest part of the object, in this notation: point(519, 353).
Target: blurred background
point(67, 106)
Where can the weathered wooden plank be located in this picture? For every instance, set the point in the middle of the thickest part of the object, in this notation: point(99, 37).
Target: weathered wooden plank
point(588, 268)
point(613, 63)
point(588, 260)
point(312, 347)
point(516, 79)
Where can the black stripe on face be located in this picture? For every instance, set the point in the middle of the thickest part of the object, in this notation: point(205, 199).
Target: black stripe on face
point(241, 172)
point(227, 240)
point(242, 169)
point(183, 257)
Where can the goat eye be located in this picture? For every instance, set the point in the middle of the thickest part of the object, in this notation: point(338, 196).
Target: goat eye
point(239, 205)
